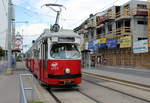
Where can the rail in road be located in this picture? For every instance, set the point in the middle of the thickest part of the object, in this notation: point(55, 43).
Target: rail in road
point(57, 94)
point(125, 82)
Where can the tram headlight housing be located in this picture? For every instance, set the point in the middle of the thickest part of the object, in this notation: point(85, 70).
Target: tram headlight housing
point(67, 70)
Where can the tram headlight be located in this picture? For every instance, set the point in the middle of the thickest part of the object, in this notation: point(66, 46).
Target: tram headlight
point(67, 71)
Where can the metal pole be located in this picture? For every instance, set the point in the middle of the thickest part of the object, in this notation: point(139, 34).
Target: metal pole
point(57, 17)
point(9, 69)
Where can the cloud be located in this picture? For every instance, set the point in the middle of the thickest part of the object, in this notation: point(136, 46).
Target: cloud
point(30, 32)
point(32, 29)
point(77, 10)
point(18, 2)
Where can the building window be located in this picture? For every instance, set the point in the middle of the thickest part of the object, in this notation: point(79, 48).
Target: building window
point(109, 27)
point(142, 22)
point(141, 6)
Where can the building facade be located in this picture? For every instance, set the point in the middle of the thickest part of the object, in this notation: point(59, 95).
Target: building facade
point(117, 36)
point(4, 22)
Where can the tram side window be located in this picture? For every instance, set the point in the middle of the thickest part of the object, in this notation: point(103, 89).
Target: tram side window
point(36, 54)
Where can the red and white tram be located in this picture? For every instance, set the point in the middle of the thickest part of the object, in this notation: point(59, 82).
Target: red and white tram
point(55, 58)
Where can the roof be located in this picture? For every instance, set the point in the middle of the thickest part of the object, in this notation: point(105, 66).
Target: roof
point(60, 33)
point(63, 33)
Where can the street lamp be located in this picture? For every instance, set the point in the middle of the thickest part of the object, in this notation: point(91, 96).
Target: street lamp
point(9, 36)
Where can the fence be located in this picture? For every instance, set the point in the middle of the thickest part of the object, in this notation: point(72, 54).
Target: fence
point(23, 90)
point(124, 57)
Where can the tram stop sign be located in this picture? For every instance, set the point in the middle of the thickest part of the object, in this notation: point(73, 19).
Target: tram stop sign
point(18, 42)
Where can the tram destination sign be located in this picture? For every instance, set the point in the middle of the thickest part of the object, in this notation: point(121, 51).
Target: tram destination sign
point(66, 39)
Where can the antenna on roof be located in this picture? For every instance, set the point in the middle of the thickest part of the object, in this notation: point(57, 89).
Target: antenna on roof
point(56, 26)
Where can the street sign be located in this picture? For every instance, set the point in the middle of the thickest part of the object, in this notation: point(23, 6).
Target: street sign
point(140, 46)
point(18, 42)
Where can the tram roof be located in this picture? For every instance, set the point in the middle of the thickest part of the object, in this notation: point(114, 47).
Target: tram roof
point(62, 33)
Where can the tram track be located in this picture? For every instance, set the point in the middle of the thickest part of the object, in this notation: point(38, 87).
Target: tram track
point(115, 90)
point(54, 96)
point(142, 87)
point(89, 96)
point(58, 100)
point(120, 81)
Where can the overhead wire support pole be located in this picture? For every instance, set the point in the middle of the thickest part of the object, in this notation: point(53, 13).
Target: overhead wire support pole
point(9, 39)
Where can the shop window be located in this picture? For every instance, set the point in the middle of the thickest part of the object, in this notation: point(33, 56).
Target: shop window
point(142, 22)
point(142, 38)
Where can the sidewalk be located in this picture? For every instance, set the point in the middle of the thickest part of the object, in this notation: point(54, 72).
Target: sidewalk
point(3, 65)
point(127, 74)
point(9, 87)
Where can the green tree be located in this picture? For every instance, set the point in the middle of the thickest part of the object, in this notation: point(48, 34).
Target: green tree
point(2, 52)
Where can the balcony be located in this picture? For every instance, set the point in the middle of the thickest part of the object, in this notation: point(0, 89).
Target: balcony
point(91, 24)
point(140, 12)
point(100, 20)
point(83, 31)
point(102, 35)
point(123, 31)
point(126, 12)
point(109, 16)
point(118, 14)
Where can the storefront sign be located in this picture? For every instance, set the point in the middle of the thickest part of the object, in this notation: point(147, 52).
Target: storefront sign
point(93, 45)
point(102, 40)
point(102, 45)
point(125, 42)
point(111, 44)
point(140, 46)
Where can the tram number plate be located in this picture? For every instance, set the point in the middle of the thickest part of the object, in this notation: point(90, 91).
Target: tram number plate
point(67, 82)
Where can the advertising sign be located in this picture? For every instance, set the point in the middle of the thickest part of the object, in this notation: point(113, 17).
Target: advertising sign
point(92, 45)
point(140, 46)
point(102, 45)
point(102, 40)
point(111, 44)
point(125, 42)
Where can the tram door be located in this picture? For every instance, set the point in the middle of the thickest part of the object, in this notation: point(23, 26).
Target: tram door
point(44, 52)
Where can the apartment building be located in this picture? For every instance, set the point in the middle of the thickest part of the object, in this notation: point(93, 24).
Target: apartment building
point(117, 36)
point(3, 23)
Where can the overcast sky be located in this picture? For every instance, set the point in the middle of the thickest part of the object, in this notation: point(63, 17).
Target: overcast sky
point(40, 18)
